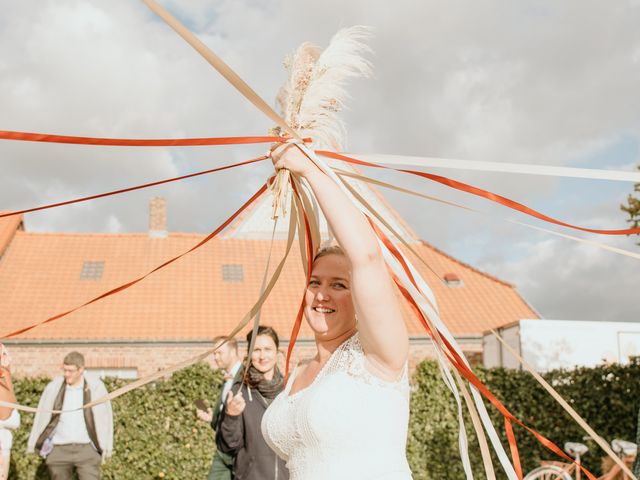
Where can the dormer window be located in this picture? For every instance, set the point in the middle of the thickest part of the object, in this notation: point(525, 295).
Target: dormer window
point(452, 280)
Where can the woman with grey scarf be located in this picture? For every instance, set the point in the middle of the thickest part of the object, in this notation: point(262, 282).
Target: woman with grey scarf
point(239, 433)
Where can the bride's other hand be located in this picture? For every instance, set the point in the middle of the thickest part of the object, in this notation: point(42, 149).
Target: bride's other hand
point(288, 156)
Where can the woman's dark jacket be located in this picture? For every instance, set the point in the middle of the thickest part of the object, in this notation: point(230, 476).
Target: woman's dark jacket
point(241, 436)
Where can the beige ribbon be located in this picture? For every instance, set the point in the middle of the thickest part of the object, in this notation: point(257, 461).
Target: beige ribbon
point(256, 319)
point(568, 408)
point(216, 62)
point(477, 426)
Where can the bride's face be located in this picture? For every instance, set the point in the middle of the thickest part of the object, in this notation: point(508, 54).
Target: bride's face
point(329, 308)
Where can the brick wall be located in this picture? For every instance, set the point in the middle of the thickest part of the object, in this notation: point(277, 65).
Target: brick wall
point(36, 359)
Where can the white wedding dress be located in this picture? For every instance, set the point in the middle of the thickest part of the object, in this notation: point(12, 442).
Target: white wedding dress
point(348, 424)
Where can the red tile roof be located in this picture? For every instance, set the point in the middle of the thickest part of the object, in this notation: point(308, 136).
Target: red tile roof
point(188, 300)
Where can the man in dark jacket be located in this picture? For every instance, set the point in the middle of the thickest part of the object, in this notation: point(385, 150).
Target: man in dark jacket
point(228, 360)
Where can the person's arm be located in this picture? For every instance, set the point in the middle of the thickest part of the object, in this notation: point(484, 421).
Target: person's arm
point(382, 330)
point(43, 416)
point(230, 433)
point(12, 422)
point(6, 385)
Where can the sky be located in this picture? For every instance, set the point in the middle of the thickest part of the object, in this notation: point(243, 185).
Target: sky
point(542, 82)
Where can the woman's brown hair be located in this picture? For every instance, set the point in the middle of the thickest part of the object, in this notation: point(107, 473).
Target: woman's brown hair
point(264, 330)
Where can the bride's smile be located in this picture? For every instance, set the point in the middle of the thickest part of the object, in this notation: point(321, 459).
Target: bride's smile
point(329, 309)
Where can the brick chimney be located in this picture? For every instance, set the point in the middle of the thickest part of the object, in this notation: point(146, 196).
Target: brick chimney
point(158, 218)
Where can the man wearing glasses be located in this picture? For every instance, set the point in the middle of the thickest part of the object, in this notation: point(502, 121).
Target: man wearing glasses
point(78, 438)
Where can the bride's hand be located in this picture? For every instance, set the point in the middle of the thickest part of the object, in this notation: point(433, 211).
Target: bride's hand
point(288, 156)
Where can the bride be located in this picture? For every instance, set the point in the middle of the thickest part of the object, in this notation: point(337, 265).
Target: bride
point(345, 414)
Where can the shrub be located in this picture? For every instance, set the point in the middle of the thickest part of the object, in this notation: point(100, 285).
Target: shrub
point(157, 434)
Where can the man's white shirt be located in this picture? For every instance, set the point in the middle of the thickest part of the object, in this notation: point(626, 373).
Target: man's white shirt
point(229, 383)
point(71, 427)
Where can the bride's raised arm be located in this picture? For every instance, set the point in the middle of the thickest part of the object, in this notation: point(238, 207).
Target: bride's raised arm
point(382, 330)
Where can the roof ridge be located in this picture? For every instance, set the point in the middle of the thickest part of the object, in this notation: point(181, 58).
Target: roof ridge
point(9, 226)
point(466, 265)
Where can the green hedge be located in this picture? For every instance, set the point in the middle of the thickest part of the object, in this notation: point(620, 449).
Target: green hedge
point(607, 397)
point(158, 436)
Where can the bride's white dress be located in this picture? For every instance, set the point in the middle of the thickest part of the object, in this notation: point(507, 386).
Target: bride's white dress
point(348, 424)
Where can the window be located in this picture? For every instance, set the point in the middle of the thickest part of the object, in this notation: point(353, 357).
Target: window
point(92, 270)
point(452, 280)
point(232, 273)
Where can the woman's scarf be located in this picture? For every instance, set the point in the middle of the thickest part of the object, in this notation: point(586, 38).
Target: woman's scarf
point(267, 388)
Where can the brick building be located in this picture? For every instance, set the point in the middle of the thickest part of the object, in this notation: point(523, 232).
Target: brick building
point(174, 313)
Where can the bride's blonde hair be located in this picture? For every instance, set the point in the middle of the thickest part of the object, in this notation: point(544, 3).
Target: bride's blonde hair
point(331, 250)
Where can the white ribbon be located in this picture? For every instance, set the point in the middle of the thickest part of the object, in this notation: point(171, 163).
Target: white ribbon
point(504, 167)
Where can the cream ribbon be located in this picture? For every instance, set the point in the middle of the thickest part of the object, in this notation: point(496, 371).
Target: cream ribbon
point(521, 168)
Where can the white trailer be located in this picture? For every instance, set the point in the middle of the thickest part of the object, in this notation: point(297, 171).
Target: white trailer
point(551, 344)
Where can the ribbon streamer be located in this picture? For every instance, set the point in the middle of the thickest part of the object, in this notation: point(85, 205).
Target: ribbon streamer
point(216, 62)
point(482, 193)
point(504, 167)
point(363, 178)
point(130, 142)
point(452, 352)
point(130, 189)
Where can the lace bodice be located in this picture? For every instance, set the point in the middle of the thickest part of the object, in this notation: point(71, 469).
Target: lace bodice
point(348, 424)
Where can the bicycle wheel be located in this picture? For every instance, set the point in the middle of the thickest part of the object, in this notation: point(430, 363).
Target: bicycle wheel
point(548, 472)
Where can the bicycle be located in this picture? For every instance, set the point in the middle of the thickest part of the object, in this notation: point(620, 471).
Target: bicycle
point(552, 470)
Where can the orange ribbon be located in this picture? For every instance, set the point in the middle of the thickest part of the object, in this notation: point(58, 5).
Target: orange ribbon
point(481, 193)
point(130, 189)
point(129, 142)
